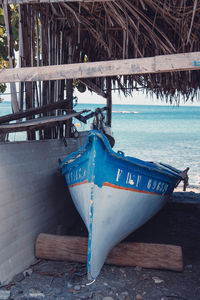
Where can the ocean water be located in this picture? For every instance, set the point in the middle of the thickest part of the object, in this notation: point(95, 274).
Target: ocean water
point(167, 134)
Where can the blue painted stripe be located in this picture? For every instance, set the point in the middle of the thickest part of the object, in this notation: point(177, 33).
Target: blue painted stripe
point(90, 233)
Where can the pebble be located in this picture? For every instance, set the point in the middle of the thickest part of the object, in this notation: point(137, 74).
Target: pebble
point(157, 280)
point(77, 287)
point(138, 268)
point(69, 285)
point(105, 283)
point(27, 272)
point(122, 270)
point(145, 277)
point(107, 298)
point(138, 297)
point(34, 293)
point(4, 294)
point(125, 293)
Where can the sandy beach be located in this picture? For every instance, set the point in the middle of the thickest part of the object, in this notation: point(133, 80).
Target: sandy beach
point(178, 223)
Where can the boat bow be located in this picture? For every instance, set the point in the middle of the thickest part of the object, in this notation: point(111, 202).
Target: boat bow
point(114, 194)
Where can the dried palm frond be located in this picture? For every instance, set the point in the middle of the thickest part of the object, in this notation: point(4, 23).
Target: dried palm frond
point(121, 29)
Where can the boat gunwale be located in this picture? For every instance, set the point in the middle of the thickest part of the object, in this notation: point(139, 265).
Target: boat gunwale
point(150, 167)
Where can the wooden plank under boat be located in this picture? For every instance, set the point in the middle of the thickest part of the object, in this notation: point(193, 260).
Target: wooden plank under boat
point(114, 194)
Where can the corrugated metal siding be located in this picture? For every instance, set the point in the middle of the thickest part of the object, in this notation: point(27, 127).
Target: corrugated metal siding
point(32, 199)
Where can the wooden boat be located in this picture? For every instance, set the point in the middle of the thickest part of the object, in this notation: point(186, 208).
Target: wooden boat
point(114, 194)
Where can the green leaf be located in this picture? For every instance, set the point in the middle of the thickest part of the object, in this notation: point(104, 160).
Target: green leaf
point(1, 31)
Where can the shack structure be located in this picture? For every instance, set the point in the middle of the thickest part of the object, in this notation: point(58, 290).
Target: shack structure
point(100, 45)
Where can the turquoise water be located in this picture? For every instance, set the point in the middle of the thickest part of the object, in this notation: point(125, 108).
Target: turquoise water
point(167, 134)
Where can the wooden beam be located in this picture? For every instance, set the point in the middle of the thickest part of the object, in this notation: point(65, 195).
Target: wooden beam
point(34, 111)
point(93, 113)
point(73, 248)
point(47, 1)
point(157, 64)
point(94, 87)
point(37, 123)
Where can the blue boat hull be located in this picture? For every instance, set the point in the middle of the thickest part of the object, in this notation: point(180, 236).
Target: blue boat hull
point(114, 194)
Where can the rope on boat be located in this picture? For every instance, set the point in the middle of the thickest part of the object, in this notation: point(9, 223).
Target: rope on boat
point(100, 124)
point(98, 121)
point(185, 177)
point(91, 282)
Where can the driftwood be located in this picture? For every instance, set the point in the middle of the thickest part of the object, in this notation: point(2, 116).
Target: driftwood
point(72, 248)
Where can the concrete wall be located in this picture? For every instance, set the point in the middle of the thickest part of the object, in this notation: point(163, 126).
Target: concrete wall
point(33, 199)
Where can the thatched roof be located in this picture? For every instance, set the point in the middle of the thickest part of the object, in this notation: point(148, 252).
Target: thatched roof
point(133, 28)
point(109, 30)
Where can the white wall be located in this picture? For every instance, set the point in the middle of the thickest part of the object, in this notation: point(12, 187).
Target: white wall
point(33, 199)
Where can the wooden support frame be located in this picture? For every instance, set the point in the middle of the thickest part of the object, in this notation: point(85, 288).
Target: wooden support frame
point(109, 102)
point(34, 111)
point(39, 110)
point(94, 87)
point(38, 123)
point(136, 66)
point(92, 114)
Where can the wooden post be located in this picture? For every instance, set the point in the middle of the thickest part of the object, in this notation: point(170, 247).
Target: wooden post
point(109, 102)
point(69, 84)
point(73, 248)
point(21, 55)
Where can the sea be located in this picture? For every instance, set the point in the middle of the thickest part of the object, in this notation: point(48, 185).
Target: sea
point(168, 134)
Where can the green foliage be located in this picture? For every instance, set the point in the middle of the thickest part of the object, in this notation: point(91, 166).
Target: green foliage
point(4, 63)
point(2, 88)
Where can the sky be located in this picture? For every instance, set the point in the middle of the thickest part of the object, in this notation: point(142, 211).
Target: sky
point(138, 98)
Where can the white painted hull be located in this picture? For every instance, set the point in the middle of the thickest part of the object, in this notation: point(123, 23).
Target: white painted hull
point(116, 213)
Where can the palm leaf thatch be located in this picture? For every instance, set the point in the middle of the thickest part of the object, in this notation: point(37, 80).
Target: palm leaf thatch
point(65, 32)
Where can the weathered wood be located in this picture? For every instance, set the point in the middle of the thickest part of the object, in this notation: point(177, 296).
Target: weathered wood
point(156, 64)
point(34, 111)
point(109, 102)
point(92, 114)
point(37, 123)
point(72, 248)
point(94, 87)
